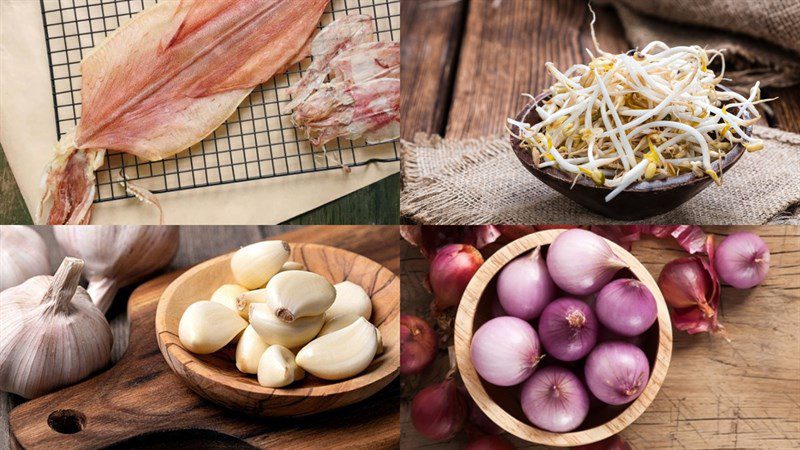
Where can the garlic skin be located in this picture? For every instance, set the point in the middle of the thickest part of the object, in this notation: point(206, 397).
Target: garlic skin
point(23, 255)
point(255, 264)
point(337, 323)
point(296, 294)
point(206, 327)
point(249, 350)
point(292, 265)
point(275, 331)
point(277, 368)
point(341, 354)
point(227, 294)
point(350, 299)
point(117, 256)
point(52, 334)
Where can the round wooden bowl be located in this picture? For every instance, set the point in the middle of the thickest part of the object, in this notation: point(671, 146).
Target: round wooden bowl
point(501, 404)
point(215, 376)
point(640, 200)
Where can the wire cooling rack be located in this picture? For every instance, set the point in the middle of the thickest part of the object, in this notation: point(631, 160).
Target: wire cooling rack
point(258, 141)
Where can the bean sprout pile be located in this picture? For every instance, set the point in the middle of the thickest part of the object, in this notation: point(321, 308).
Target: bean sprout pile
point(649, 114)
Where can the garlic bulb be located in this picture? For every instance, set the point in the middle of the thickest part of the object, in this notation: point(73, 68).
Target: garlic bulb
point(292, 265)
point(249, 350)
point(117, 256)
point(337, 323)
point(340, 354)
point(227, 294)
point(277, 368)
point(23, 254)
point(255, 264)
point(52, 334)
point(206, 327)
point(276, 331)
point(296, 294)
point(350, 299)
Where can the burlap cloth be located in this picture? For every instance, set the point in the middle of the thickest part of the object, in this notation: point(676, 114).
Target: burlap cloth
point(761, 37)
point(482, 181)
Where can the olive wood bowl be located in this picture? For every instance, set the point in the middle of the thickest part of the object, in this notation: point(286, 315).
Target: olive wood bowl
point(501, 404)
point(640, 200)
point(215, 376)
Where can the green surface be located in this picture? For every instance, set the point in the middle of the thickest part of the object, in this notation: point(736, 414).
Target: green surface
point(378, 203)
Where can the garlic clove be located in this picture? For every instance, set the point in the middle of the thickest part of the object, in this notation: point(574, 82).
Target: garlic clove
point(245, 299)
point(337, 323)
point(297, 293)
point(277, 368)
point(341, 354)
point(255, 264)
point(379, 350)
point(206, 327)
point(288, 334)
point(226, 295)
point(249, 350)
point(350, 299)
point(292, 265)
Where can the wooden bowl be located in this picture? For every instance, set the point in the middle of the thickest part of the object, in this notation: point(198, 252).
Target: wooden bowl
point(640, 200)
point(501, 404)
point(215, 376)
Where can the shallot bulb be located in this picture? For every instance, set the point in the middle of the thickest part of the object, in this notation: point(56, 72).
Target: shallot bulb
point(742, 260)
point(568, 329)
point(554, 399)
point(450, 272)
point(505, 351)
point(626, 307)
point(439, 411)
point(617, 372)
point(524, 287)
point(417, 344)
point(691, 287)
point(581, 262)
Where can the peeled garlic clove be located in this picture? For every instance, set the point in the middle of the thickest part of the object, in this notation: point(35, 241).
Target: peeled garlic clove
point(275, 331)
point(245, 299)
point(340, 354)
point(206, 327)
point(350, 299)
point(296, 294)
point(277, 368)
point(249, 350)
point(337, 323)
point(380, 341)
point(292, 265)
point(255, 264)
point(226, 295)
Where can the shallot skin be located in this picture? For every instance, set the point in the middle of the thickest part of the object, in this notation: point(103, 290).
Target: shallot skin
point(742, 260)
point(617, 372)
point(581, 262)
point(568, 329)
point(626, 307)
point(554, 399)
point(524, 287)
point(505, 351)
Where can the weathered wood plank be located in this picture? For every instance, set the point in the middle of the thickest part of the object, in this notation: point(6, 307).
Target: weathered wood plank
point(786, 108)
point(742, 394)
point(431, 38)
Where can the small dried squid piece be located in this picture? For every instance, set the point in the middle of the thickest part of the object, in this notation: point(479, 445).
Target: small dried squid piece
point(367, 61)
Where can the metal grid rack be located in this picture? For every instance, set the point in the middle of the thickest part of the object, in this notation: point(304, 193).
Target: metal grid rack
point(258, 141)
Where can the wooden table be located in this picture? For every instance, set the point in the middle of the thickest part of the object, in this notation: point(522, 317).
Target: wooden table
point(377, 203)
point(742, 394)
point(199, 243)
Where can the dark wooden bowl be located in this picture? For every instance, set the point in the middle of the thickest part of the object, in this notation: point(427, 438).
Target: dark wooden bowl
point(640, 200)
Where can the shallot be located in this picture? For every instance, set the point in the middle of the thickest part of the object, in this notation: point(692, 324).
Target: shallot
point(417, 344)
point(691, 287)
point(505, 351)
point(581, 262)
point(450, 272)
point(524, 287)
point(742, 260)
point(617, 372)
point(554, 399)
point(568, 329)
point(439, 411)
point(626, 306)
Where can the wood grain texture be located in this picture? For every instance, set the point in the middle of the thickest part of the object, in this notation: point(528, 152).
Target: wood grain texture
point(742, 394)
point(215, 376)
point(786, 108)
point(140, 390)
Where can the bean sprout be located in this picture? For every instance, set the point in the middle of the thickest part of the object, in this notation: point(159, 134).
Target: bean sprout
point(649, 114)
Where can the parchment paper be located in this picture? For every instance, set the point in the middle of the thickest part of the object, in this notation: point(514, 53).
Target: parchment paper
point(28, 133)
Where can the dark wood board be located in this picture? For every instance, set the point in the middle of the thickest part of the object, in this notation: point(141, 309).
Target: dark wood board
point(139, 395)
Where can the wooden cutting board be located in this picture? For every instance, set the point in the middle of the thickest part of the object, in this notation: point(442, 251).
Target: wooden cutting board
point(140, 402)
